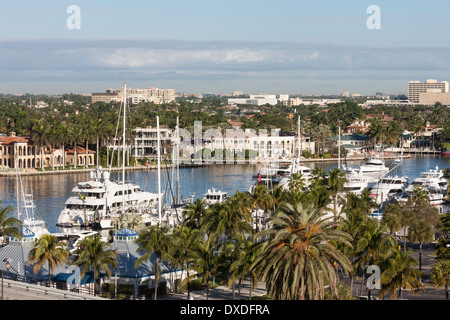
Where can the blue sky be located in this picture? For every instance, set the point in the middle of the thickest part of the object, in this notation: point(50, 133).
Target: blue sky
point(294, 47)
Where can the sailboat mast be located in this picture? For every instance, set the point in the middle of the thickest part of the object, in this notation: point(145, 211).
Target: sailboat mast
point(123, 143)
point(159, 168)
point(339, 149)
point(178, 160)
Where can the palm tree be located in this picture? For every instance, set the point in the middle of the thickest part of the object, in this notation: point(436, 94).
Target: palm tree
point(420, 231)
point(297, 260)
point(95, 255)
point(48, 249)
point(9, 226)
point(336, 181)
point(391, 217)
point(373, 244)
point(156, 242)
point(399, 274)
point(440, 275)
point(296, 183)
point(261, 198)
point(194, 212)
point(40, 136)
point(247, 251)
point(206, 262)
point(75, 133)
point(186, 241)
point(225, 219)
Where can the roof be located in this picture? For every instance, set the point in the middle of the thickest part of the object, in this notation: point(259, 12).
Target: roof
point(12, 140)
point(125, 232)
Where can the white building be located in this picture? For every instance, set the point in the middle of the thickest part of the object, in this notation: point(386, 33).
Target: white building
point(258, 99)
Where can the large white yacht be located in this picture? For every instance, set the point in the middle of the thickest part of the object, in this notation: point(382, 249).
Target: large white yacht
point(103, 200)
point(374, 166)
point(358, 181)
point(434, 182)
point(387, 187)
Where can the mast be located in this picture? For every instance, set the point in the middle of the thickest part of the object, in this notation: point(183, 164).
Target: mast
point(159, 169)
point(299, 138)
point(123, 144)
point(339, 149)
point(178, 161)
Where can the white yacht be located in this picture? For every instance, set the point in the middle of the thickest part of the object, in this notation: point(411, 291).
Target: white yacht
point(374, 166)
point(387, 187)
point(26, 211)
point(31, 219)
point(214, 196)
point(434, 182)
point(358, 181)
point(103, 200)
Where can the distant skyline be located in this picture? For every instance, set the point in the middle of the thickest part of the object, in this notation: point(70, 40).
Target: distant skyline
point(283, 47)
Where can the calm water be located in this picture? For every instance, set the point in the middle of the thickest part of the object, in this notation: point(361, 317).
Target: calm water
point(51, 192)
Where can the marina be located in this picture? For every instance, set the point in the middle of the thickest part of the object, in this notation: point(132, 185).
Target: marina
point(50, 192)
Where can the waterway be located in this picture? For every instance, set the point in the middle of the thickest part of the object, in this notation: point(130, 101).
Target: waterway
point(51, 191)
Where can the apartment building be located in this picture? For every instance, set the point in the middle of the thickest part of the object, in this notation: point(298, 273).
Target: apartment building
point(415, 88)
point(135, 96)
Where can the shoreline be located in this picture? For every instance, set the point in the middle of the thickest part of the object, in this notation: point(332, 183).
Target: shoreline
point(192, 165)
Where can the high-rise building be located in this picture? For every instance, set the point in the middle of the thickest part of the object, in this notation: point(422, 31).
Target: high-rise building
point(415, 88)
point(136, 96)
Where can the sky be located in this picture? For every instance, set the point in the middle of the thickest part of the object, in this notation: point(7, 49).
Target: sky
point(199, 46)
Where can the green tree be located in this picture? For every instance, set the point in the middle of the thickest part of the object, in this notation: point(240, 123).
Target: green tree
point(48, 249)
point(420, 231)
point(399, 274)
point(95, 255)
point(440, 275)
point(156, 241)
point(9, 226)
point(297, 259)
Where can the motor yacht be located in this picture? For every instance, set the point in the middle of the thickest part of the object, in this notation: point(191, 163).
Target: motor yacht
point(102, 200)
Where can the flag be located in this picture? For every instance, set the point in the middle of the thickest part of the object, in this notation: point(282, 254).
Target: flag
point(259, 178)
point(82, 197)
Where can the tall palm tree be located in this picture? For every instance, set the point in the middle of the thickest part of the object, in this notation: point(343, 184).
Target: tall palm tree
point(296, 183)
point(297, 260)
point(206, 259)
point(261, 199)
point(336, 181)
point(440, 275)
point(194, 212)
point(40, 136)
point(186, 241)
point(156, 241)
point(48, 249)
point(9, 226)
point(373, 244)
point(399, 274)
point(226, 220)
point(420, 231)
point(247, 251)
point(95, 255)
point(76, 136)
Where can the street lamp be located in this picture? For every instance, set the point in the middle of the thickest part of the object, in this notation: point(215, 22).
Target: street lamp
point(7, 265)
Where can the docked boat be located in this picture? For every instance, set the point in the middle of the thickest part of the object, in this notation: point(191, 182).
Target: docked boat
point(103, 200)
point(434, 182)
point(213, 196)
point(357, 182)
point(388, 187)
point(374, 166)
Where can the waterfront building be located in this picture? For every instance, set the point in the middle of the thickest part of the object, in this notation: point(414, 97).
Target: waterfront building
point(21, 153)
point(256, 99)
point(146, 141)
point(274, 145)
point(415, 88)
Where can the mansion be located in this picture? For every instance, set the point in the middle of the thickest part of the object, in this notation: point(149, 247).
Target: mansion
point(20, 153)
